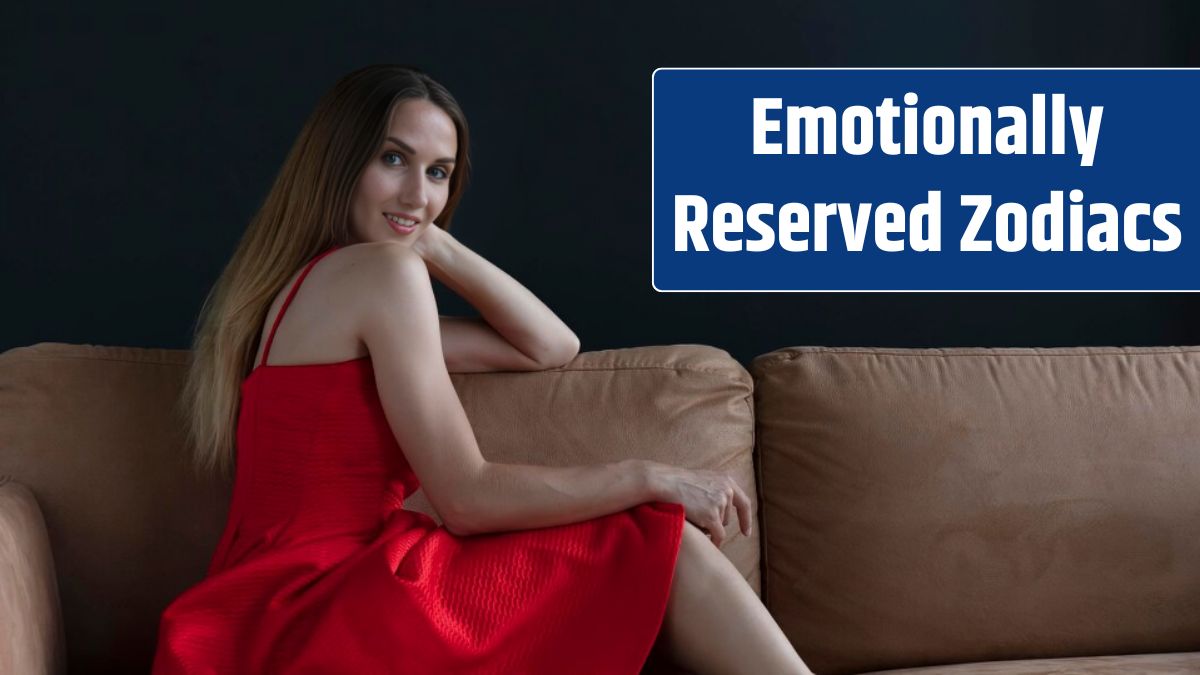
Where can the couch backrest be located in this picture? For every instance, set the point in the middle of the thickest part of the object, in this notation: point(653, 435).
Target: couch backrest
point(952, 505)
point(89, 430)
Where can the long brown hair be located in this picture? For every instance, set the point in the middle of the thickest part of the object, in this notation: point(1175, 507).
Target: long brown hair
point(305, 212)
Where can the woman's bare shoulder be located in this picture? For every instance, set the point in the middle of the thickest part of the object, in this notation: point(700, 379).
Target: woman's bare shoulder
point(373, 275)
point(374, 258)
point(372, 271)
point(321, 322)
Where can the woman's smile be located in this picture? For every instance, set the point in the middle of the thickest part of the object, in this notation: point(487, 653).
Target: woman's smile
point(402, 222)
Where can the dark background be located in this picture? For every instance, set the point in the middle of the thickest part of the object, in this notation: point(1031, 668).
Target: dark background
point(137, 144)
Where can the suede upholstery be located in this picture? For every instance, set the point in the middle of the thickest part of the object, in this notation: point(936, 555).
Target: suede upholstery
point(30, 625)
point(1138, 664)
point(918, 508)
point(940, 506)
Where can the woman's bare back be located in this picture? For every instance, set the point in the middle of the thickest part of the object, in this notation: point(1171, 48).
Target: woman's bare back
point(318, 326)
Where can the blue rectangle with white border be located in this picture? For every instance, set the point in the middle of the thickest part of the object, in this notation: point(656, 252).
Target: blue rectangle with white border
point(728, 218)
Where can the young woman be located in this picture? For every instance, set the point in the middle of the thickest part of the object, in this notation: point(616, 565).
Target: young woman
point(331, 382)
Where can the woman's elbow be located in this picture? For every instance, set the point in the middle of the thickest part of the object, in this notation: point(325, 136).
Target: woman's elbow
point(458, 529)
point(559, 354)
point(459, 523)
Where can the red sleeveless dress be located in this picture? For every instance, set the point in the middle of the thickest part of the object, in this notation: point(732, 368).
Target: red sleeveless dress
point(319, 569)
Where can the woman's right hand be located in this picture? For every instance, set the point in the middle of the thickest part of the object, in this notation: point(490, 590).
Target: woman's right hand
point(709, 498)
point(430, 241)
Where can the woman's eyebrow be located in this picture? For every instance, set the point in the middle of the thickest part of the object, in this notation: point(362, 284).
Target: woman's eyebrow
point(407, 148)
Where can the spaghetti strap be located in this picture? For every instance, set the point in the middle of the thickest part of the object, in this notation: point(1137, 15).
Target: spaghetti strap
point(288, 300)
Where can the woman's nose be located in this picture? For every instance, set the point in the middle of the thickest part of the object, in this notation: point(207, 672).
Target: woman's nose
point(412, 192)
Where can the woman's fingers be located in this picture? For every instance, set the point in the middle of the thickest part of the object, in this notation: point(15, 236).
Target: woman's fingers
point(717, 531)
point(742, 502)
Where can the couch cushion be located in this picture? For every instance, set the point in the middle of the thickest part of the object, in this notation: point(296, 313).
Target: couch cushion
point(31, 632)
point(957, 505)
point(89, 430)
point(1141, 664)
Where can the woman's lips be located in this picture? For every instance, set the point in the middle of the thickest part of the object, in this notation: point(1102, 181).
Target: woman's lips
point(402, 229)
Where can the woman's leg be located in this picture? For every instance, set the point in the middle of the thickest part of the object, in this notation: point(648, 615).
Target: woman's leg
point(715, 623)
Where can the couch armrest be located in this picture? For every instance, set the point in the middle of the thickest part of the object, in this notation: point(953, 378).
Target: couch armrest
point(31, 632)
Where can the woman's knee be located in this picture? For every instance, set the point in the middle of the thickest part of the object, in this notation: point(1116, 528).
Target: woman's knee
point(692, 535)
point(697, 551)
point(691, 547)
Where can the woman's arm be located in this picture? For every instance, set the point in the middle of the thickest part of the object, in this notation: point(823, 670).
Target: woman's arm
point(517, 331)
point(506, 497)
point(473, 496)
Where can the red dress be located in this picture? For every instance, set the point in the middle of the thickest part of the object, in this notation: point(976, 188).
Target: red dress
point(320, 570)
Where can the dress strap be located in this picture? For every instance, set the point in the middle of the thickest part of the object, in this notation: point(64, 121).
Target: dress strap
point(288, 300)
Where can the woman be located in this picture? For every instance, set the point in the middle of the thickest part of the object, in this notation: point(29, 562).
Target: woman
point(348, 408)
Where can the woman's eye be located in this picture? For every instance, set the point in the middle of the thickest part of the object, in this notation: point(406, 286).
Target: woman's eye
point(391, 154)
point(440, 172)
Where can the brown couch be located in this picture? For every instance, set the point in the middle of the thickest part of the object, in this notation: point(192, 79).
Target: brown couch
point(1009, 510)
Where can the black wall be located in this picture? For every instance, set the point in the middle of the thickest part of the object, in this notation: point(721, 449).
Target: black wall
point(137, 143)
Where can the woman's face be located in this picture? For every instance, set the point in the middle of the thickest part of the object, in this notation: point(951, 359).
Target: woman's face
point(408, 178)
